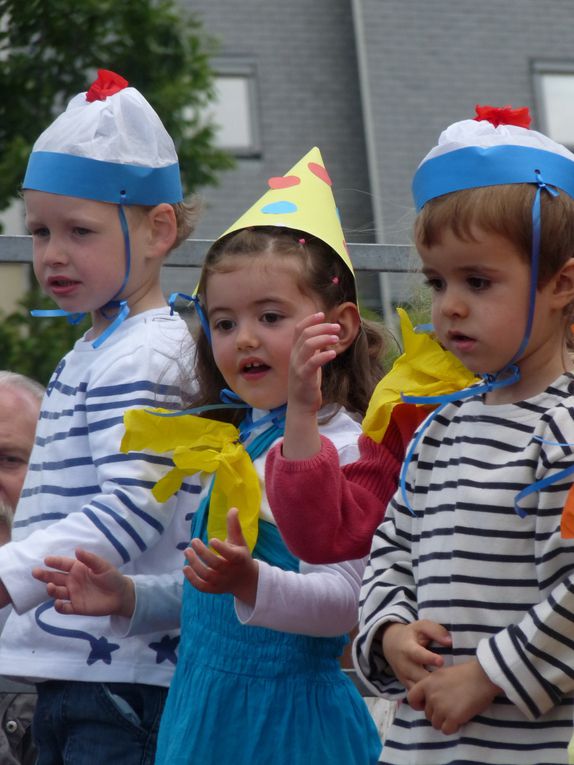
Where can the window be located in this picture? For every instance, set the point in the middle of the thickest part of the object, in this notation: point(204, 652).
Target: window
point(234, 110)
point(554, 92)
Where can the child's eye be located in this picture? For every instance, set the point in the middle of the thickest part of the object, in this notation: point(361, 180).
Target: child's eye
point(478, 283)
point(80, 231)
point(271, 317)
point(434, 283)
point(39, 232)
point(223, 325)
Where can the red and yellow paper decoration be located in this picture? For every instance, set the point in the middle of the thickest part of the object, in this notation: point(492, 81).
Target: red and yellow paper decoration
point(198, 444)
point(303, 200)
point(425, 368)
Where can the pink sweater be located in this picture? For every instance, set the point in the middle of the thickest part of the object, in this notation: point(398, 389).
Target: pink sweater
point(327, 513)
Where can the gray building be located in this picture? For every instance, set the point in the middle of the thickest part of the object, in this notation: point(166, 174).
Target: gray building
point(372, 83)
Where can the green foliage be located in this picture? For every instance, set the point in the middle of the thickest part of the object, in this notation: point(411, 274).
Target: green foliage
point(50, 50)
point(33, 346)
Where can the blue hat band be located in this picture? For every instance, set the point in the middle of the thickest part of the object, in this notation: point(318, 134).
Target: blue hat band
point(87, 178)
point(474, 166)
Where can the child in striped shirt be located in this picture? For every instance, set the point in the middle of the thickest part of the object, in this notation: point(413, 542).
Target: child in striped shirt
point(104, 207)
point(467, 602)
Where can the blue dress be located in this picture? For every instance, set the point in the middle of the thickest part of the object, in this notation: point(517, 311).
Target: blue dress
point(245, 695)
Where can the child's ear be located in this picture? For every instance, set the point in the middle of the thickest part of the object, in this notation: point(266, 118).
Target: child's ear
point(163, 229)
point(563, 290)
point(347, 316)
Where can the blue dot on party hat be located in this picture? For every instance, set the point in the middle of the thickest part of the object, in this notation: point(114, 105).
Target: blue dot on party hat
point(279, 208)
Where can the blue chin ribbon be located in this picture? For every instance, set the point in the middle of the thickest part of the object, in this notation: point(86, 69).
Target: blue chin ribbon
point(508, 375)
point(120, 306)
point(192, 299)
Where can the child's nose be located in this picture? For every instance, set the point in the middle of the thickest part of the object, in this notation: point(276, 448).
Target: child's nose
point(246, 336)
point(54, 252)
point(453, 304)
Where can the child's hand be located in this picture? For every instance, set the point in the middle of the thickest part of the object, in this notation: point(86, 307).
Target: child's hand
point(309, 353)
point(311, 350)
point(452, 696)
point(233, 570)
point(87, 584)
point(404, 647)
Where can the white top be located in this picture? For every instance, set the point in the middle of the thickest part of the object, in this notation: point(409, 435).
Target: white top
point(80, 491)
point(320, 601)
point(501, 584)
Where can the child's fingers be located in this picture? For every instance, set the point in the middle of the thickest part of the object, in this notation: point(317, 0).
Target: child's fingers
point(424, 657)
point(318, 343)
point(416, 697)
point(59, 592)
point(305, 334)
point(204, 562)
point(64, 607)
point(431, 631)
point(59, 562)
point(49, 575)
point(193, 578)
point(94, 562)
point(319, 359)
point(234, 530)
point(309, 321)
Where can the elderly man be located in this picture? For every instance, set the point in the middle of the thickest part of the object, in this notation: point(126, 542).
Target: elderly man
point(20, 400)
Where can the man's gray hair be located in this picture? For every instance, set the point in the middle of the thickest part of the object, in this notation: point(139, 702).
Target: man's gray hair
point(23, 383)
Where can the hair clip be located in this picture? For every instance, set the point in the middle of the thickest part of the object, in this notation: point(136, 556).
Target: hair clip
point(302, 241)
point(335, 280)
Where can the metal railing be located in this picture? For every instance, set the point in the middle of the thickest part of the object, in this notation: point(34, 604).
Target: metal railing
point(385, 258)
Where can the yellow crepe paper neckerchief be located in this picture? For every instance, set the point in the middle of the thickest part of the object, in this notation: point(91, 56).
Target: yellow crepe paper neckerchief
point(200, 444)
point(424, 369)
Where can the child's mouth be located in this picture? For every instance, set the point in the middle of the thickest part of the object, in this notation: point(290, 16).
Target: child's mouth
point(462, 342)
point(254, 368)
point(61, 285)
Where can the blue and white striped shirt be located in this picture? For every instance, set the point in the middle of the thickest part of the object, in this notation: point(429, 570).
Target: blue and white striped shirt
point(502, 585)
point(80, 491)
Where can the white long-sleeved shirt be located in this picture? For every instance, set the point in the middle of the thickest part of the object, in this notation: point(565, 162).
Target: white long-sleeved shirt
point(81, 491)
point(502, 585)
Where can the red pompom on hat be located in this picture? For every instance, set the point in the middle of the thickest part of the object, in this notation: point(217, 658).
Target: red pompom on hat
point(504, 115)
point(108, 145)
point(106, 85)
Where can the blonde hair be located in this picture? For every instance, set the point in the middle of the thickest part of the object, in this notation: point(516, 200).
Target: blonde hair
point(186, 217)
point(187, 214)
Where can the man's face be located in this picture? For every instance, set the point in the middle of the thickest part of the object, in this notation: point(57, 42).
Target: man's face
point(18, 416)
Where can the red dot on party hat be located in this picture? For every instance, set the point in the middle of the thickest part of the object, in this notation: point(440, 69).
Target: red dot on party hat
point(283, 181)
point(320, 172)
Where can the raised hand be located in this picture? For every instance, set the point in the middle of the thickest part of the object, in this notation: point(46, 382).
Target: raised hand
point(405, 649)
point(311, 350)
point(229, 569)
point(86, 584)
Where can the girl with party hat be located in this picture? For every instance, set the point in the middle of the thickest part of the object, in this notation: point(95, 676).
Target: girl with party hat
point(467, 600)
point(258, 678)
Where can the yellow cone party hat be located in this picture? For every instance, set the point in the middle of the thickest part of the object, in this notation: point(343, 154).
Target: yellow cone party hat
point(301, 199)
